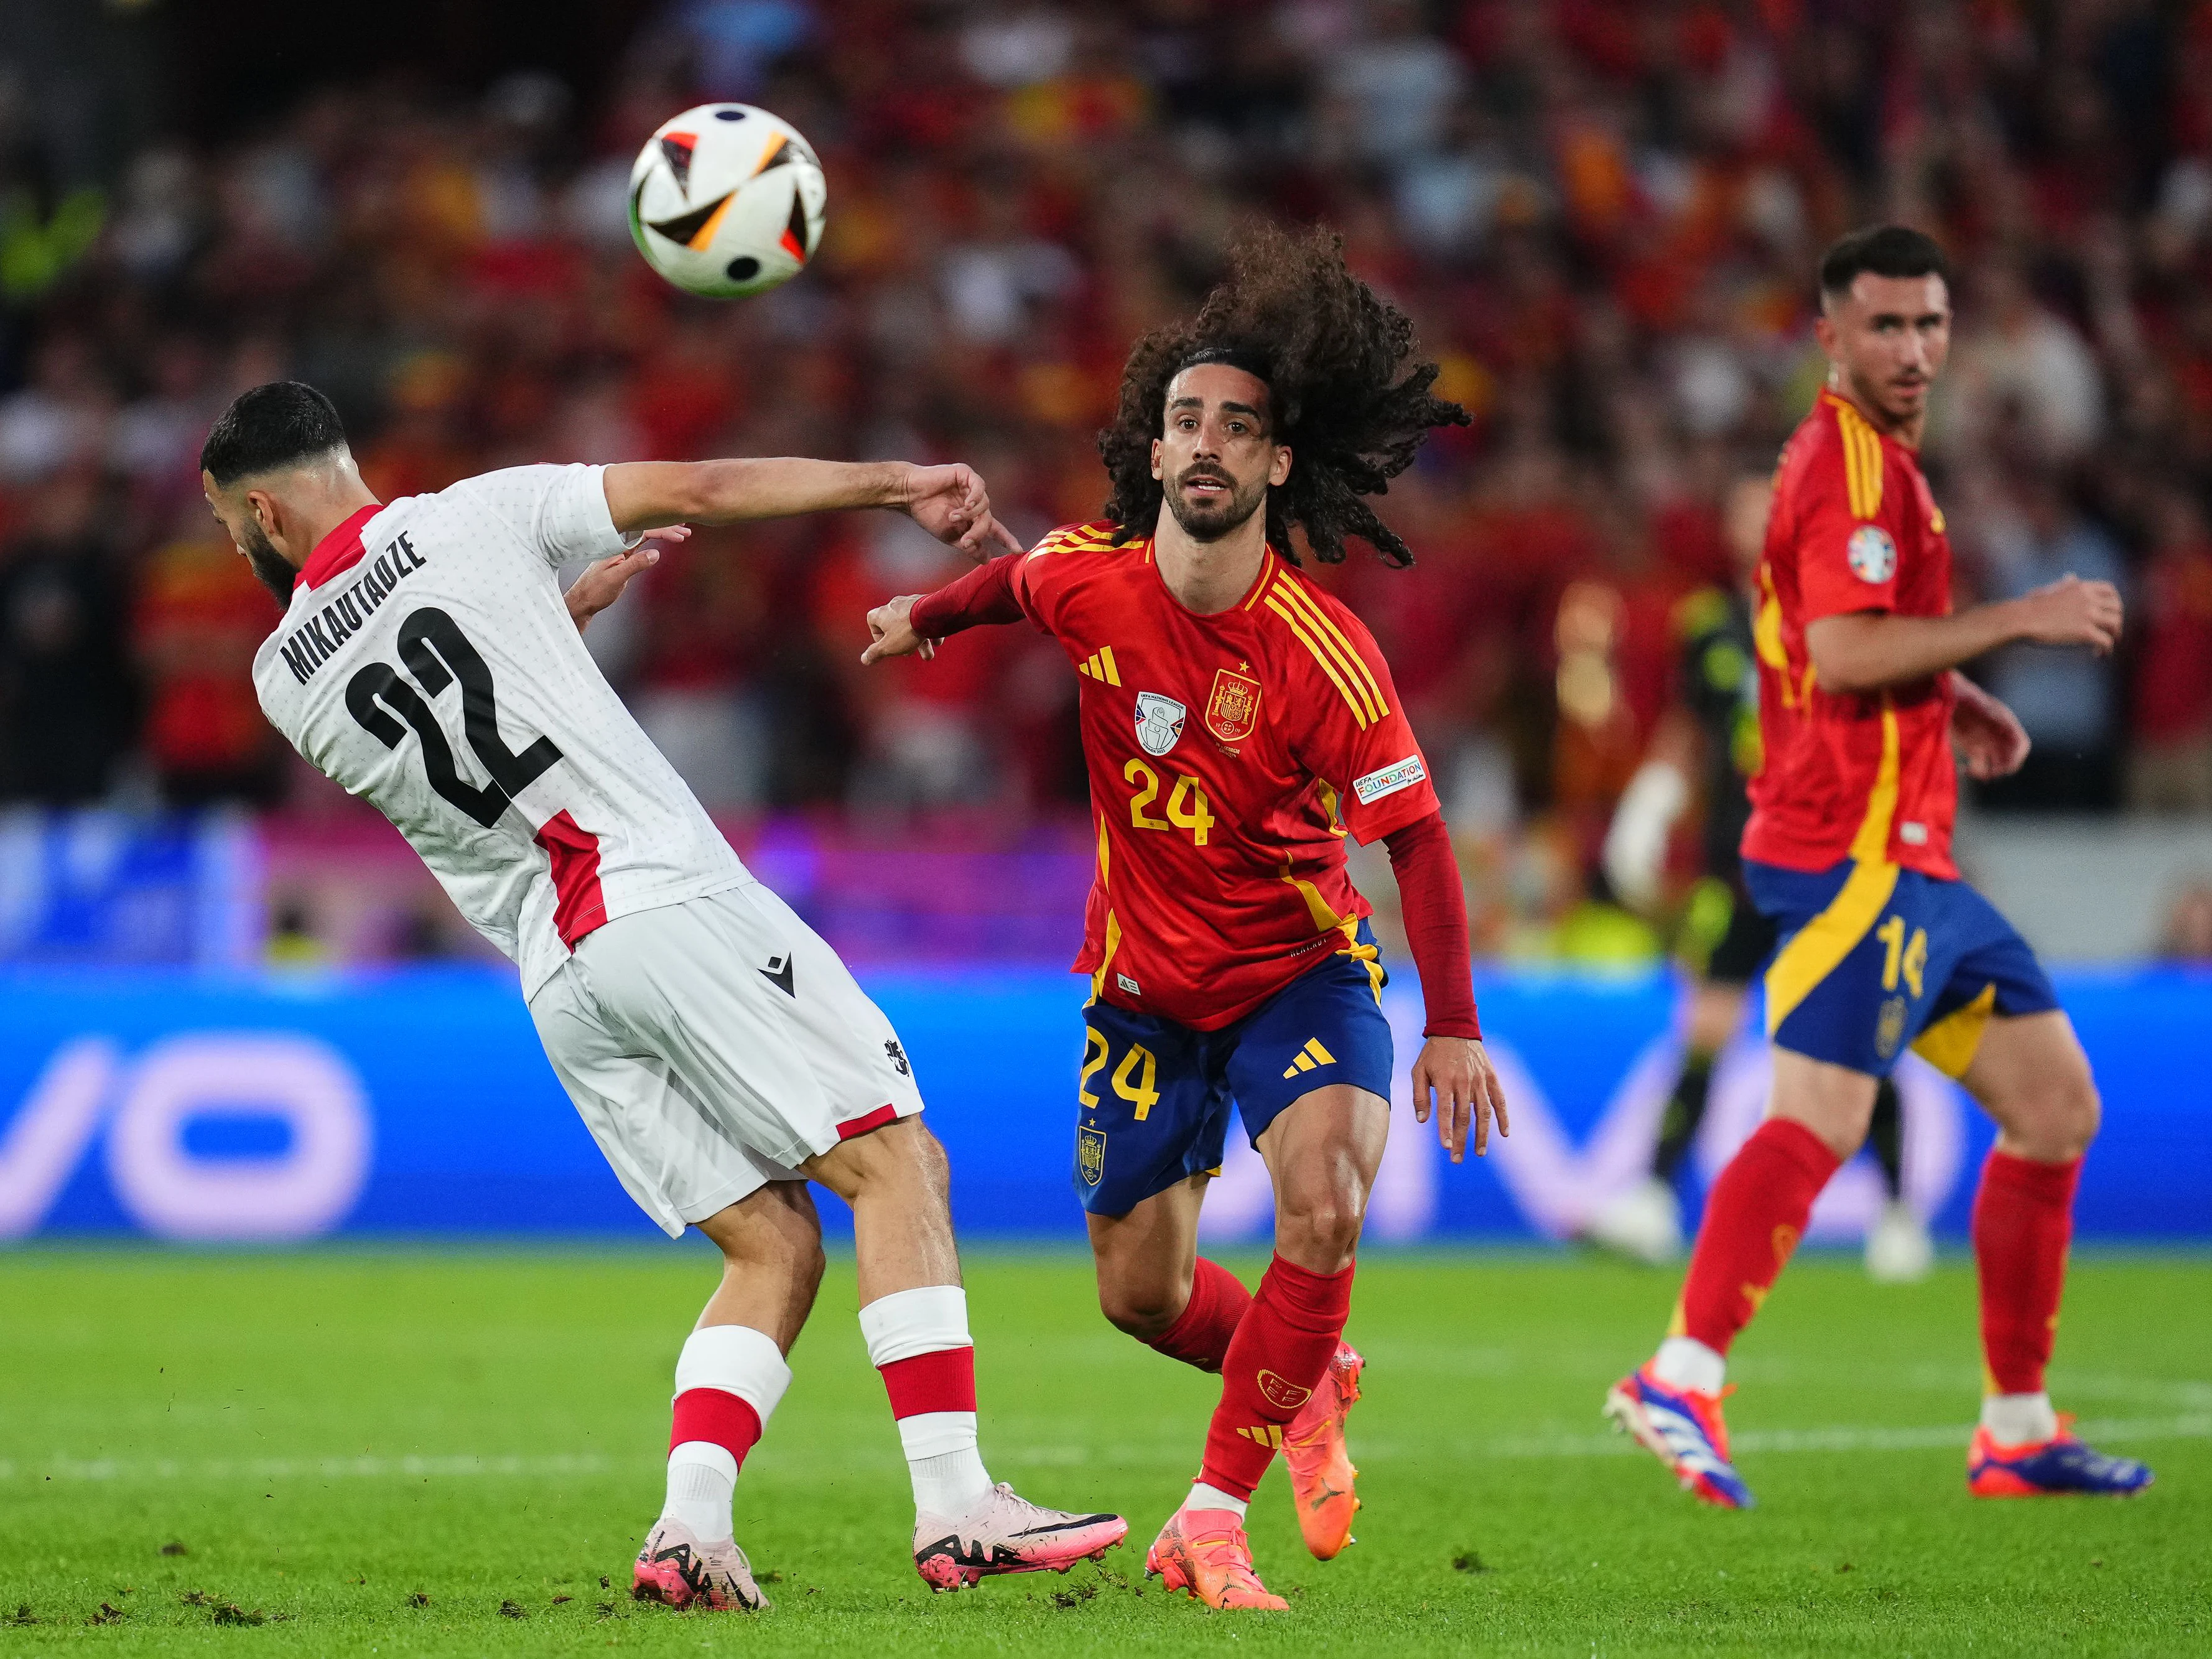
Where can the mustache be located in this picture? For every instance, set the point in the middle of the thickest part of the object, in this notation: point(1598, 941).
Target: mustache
point(1202, 471)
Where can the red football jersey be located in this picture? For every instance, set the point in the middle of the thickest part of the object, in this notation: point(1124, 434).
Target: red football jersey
point(1228, 756)
point(1845, 774)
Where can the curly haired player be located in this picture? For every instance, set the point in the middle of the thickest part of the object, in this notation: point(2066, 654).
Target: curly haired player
point(1238, 724)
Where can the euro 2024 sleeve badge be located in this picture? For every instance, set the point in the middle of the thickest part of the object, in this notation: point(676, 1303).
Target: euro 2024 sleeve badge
point(1871, 554)
point(1232, 711)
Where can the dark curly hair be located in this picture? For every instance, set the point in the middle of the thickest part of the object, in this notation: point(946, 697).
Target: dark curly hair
point(1329, 349)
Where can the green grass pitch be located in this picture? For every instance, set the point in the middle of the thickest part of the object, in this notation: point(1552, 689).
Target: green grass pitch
point(403, 1453)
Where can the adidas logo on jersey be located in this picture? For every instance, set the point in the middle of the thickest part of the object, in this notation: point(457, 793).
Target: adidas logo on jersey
point(1100, 667)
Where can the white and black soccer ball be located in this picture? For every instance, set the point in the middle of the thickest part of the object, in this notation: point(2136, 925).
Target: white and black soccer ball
point(726, 200)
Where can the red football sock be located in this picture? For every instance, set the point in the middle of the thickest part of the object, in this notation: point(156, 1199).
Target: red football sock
point(1754, 1218)
point(1201, 1335)
point(2023, 1219)
point(928, 1382)
point(717, 1417)
point(1276, 1359)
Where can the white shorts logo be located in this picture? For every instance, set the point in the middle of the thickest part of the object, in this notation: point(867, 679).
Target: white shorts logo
point(1159, 721)
point(1400, 775)
point(1873, 556)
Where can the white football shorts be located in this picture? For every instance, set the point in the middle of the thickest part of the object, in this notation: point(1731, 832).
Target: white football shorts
point(713, 1046)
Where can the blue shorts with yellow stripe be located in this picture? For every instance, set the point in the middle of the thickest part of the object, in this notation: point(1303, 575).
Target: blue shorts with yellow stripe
point(1876, 959)
point(1153, 1101)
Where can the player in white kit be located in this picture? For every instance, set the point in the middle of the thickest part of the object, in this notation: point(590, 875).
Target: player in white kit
point(718, 1051)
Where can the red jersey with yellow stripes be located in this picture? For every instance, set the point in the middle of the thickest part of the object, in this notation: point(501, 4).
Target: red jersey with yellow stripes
point(1845, 774)
point(1230, 754)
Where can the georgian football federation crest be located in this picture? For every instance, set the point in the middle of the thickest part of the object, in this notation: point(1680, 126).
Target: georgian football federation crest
point(1091, 1155)
point(1159, 721)
point(1872, 555)
point(1233, 712)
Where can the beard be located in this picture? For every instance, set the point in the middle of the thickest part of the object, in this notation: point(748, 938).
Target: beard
point(1209, 521)
point(269, 565)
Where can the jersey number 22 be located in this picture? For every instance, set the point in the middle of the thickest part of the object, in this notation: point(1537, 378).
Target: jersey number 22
point(437, 654)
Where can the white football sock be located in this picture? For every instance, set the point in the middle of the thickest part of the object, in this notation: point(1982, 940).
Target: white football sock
point(1683, 1362)
point(942, 1460)
point(1203, 1497)
point(702, 1476)
point(2019, 1419)
point(702, 1488)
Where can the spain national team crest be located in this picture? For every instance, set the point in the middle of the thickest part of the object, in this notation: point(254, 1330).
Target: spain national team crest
point(1282, 1393)
point(1233, 712)
point(1091, 1155)
point(1159, 721)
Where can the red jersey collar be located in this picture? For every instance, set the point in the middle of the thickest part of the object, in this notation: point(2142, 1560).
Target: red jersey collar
point(338, 551)
point(1243, 603)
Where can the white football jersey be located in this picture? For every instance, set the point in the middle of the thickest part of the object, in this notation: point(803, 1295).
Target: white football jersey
point(429, 663)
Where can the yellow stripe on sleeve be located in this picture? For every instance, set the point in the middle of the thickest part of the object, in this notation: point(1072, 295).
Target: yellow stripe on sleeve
point(1356, 702)
point(1355, 665)
point(1862, 462)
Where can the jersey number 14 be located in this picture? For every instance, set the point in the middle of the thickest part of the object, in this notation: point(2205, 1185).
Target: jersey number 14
point(437, 654)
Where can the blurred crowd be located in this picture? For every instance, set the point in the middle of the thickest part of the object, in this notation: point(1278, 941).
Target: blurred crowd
point(1603, 217)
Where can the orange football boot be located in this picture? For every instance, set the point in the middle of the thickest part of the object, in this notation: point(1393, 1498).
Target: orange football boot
point(1321, 1474)
point(1204, 1553)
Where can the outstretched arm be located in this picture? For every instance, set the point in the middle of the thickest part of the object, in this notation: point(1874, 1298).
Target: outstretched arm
point(948, 501)
point(913, 623)
point(1452, 1065)
point(1866, 650)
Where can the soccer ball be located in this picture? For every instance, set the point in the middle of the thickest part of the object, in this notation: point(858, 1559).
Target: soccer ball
point(726, 200)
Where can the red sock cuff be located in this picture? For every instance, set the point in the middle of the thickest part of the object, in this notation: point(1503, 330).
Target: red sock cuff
point(1806, 1150)
point(941, 1381)
point(1315, 1298)
point(1200, 1334)
point(2047, 1183)
point(717, 1417)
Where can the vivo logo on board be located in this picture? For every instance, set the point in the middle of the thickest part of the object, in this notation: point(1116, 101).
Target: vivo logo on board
point(150, 1101)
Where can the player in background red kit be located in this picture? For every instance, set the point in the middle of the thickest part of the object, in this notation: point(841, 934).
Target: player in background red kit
point(1237, 724)
point(1849, 850)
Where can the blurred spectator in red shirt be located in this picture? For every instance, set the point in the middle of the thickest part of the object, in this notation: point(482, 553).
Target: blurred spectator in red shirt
point(2171, 770)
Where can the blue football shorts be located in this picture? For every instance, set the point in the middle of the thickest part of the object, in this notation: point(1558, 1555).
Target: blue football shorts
point(1153, 1098)
point(1876, 959)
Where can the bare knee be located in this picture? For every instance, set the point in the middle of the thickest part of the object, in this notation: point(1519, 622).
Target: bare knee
point(2059, 1124)
point(903, 1158)
point(1318, 1227)
point(775, 1232)
point(1146, 1312)
point(1834, 1102)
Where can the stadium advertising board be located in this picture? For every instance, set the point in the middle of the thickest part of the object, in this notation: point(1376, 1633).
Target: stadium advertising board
point(209, 1109)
